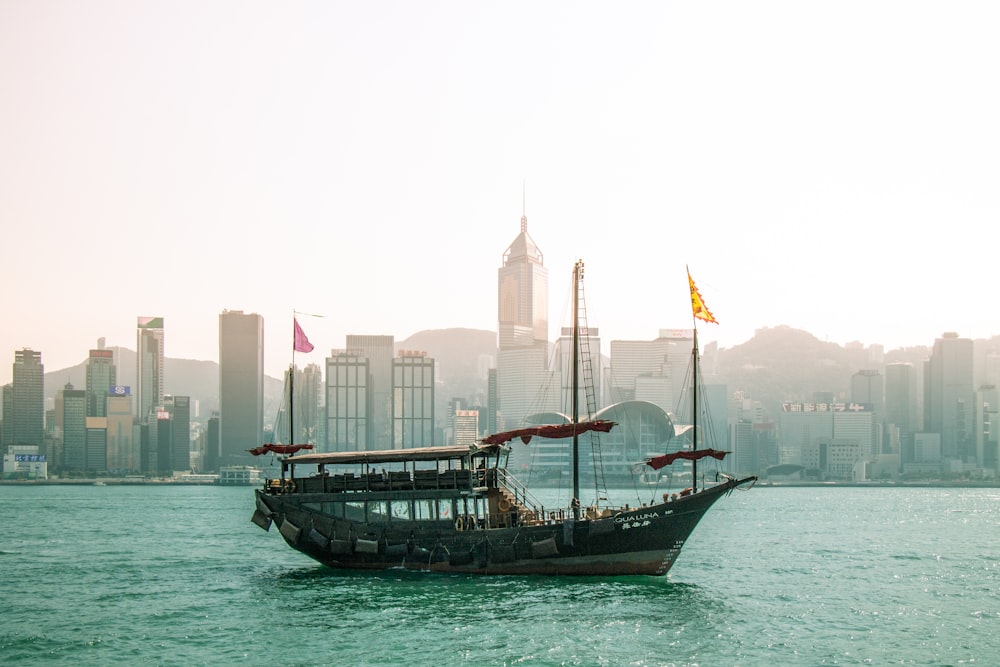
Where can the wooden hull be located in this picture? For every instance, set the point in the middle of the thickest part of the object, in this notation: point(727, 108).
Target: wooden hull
point(643, 540)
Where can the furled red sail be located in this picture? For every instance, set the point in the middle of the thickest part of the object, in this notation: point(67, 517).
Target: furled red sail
point(658, 462)
point(277, 449)
point(549, 431)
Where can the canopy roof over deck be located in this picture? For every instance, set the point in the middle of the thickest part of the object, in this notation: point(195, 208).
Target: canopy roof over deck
point(447, 453)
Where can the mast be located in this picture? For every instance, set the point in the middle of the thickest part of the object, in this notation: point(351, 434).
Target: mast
point(694, 410)
point(291, 389)
point(577, 277)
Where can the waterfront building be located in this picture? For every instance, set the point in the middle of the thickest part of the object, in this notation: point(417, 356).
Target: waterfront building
point(524, 380)
point(926, 455)
point(348, 402)
point(868, 388)
point(24, 462)
point(413, 374)
point(800, 425)
point(803, 425)
point(948, 396)
point(379, 352)
point(7, 398)
point(653, 371)
point(97, 444)
point(210, 457)
point(309, 399)
point(836, 459)
point(307, 385)
point(24, 401)
point(101, 377)
point(492, 401)
point(987, 426)
point(856, 424)
point(162, 434)
point(466, 427)
point(148, 365)
point(241, 386)
point(589, 369)
point(123, 455)
point(179, 445)
point(74, 419)
point(901, 408)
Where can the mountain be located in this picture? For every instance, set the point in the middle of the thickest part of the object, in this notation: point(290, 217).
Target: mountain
point(463, 357)
point(182, 377)
point(782, 364)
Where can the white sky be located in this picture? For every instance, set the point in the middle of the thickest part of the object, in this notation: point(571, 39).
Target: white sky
point(831, 166)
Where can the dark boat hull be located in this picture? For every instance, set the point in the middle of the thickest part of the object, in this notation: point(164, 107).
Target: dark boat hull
point(638, 541)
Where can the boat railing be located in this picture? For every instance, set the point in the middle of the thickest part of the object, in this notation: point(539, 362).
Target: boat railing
point(394, 480)
point(522, 496)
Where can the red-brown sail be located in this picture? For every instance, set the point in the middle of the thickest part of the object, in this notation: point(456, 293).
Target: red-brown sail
point(549, 431)
point(658, 462)
point(277, 449)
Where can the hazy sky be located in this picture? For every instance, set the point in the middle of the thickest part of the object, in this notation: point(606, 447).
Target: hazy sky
point(831, 166)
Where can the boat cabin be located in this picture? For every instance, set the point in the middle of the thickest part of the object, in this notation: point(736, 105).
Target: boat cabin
point(467, 488)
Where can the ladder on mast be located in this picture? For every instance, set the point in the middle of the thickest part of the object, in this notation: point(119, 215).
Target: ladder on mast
point(587, 374)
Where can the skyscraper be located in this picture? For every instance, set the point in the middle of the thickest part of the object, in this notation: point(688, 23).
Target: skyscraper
point(523, 377)
point(24, 404)
point(348, 402)
point(179, 408)
point(123, 454)
point(148, 366)
point(379, 351)
point(306, 384)
point(948, 396)
point(589, 370)
point(901, 399)
point(988, 427)
point(868, 388)
point(74, 428)
point(101, 376)
point(211, 433)
point(241, 385)
point(654, 371)
point(412, 400)
point(97, 443)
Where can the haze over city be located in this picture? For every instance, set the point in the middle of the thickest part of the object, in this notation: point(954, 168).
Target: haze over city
point(831, 167)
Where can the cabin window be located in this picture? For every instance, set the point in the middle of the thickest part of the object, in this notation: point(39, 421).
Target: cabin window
point(423, 510)
point(445, 510)
point(354, 510)
point(333, 509)
point(378, 511)
point(400, 510)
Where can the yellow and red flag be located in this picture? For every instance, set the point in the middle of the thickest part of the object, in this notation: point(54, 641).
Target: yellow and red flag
point(698, 308)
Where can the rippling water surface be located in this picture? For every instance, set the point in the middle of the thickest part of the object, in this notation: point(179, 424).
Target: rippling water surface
point(177, 575)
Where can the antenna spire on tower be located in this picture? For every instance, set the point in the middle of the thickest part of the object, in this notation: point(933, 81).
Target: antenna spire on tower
point(524, 208)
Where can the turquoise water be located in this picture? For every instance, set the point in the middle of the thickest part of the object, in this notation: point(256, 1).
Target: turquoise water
point(177, 575)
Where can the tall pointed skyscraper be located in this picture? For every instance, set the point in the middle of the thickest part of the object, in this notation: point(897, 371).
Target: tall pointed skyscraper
point(523, 378)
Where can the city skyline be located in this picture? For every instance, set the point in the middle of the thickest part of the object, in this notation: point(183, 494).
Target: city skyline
point(828, 168)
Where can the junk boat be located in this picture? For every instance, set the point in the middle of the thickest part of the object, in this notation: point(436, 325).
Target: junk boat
point(460, 509)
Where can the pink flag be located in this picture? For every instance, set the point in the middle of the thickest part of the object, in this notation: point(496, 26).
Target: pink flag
point(301, 343)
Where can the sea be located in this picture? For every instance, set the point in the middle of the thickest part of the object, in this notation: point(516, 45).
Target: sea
point(177, 575)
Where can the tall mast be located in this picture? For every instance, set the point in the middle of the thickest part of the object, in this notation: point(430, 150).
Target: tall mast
point(577, 277)
point(291, 390)
point(694, 409)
